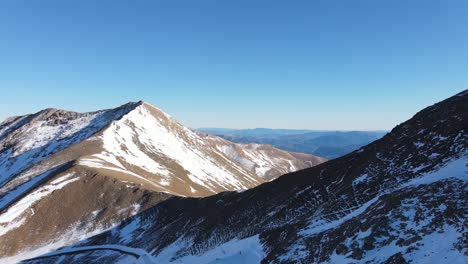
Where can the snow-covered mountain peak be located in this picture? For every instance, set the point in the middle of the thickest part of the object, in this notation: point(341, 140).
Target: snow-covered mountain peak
point(146, 143)
point(132, 157)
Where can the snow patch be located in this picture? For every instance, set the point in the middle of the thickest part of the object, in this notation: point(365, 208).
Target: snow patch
point(433, 248)
point(456, 168)
point(9, 219)
point(70, 236)
point(322, 225)
point(247, 250)
point(361, 179)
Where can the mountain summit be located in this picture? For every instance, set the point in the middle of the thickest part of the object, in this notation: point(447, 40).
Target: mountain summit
point(68, 175)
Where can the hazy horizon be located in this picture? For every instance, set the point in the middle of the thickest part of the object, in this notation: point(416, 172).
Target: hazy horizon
point(288, 129)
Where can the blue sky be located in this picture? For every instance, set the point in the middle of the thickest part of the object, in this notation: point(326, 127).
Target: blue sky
point(335, 64)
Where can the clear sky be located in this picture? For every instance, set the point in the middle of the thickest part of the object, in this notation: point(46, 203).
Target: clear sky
point(332, 64)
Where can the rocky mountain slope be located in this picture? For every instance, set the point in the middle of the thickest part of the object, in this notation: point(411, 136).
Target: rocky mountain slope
point(264, 160)
point(400, 199)
point(68, 175)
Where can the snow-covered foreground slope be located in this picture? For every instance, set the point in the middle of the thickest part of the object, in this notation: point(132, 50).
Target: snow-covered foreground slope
point(401, 199)
point(120, 162)
point(248, 250)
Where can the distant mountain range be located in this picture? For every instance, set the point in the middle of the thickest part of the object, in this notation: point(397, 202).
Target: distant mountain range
point(328, 144)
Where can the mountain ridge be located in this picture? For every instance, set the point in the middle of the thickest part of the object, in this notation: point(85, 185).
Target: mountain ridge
point(392, 201)
point(132, 157)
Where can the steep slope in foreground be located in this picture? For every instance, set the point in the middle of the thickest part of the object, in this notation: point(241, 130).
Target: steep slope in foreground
point(66, 175)
point(400, 199)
